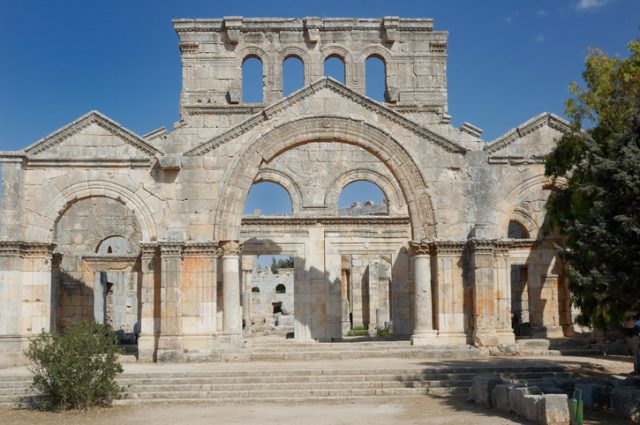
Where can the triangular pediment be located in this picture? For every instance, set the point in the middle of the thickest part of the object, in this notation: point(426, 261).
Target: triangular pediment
point(314, 89)
point(92, 136)
point(531, 140)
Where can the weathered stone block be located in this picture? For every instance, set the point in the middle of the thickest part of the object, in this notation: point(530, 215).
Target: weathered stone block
point(553, 409)
point(500, 397)
point(481, 387)
point(530, 407)
point(516, 398)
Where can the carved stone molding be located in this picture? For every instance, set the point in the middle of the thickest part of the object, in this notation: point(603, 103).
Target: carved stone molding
point(202, 249)
point(170, 249)
point(448, 247)
point(26, 249)
point(482, 246)
point(230, 248)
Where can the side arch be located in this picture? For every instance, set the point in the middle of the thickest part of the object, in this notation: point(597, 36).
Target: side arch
point(335, 50)
point(78, 191)
point(246, 165)
point(307, 65)
point(390, 188)
point(511, 205)
point(278, 177)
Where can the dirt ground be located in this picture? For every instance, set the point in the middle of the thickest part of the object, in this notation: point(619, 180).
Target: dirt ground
point(370, 411)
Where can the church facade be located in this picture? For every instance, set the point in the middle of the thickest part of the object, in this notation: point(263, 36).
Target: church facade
point(146, 233)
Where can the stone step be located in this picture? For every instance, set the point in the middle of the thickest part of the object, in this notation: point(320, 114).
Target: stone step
point(332, 392)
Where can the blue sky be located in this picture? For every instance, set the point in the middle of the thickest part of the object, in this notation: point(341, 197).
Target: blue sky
point(508, 60)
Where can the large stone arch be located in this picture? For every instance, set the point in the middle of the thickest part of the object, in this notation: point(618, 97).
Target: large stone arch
point(245, 167)
point(284, 180)
point(390, 188)
point(78, 191)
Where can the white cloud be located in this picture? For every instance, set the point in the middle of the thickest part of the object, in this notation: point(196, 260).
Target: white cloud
point(541, 12)
point(539, 38)
point(591, 4)
point(509, 19)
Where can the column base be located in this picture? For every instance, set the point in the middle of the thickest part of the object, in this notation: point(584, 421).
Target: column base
point(12, 350)
point(423, 338)
point(147, 348)
point(485, 338)
point(170, 349)
point(506, 336)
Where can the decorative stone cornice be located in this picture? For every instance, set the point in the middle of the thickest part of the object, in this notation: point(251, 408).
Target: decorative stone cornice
point(36, 162)
point(171, 249)
point(482, 246)
point(93, 117)
point(448, 247)
point(230, 248)
point(202, 249)
point(530, 126)
point(337, 87)
point(26, 249)
point(247, 25)
point(326, 220)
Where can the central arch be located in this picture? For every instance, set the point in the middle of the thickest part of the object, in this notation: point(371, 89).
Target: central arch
point(246, 166)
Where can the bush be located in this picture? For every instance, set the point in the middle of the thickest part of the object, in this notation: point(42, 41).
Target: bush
point(77, 369)
point(358, 331)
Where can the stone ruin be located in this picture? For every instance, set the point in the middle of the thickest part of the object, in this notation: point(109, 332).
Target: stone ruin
point(453, 272)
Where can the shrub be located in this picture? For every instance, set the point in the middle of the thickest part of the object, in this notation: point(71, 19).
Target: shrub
point(358, 331)
point(77, 369)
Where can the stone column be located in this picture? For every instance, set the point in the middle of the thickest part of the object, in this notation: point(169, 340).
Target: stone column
point(149, 300)
point(36, 287)
point(232, 315)
point(170, 339)
point(450, 290)
point(504, 330)
point(423, 332)
point(483, 280)
point(546, 320)
point(248, 264)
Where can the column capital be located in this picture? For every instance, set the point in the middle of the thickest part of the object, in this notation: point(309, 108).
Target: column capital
point(148, 249)
point(420, 247)
point(230, 248)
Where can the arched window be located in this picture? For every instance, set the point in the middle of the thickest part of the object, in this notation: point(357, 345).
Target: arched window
point(517, 231)
point(267, 198)
point(252, 77)
point(281, 289)
point(375, 78)
point(255, 289)
point(362, 198)
point(292, 75)
point(334, 68)
point(117, 245)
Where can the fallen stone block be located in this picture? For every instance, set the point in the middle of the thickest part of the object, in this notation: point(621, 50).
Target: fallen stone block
point(516, 398)
point(553, 409)
point(625, 402)
point(481, 387)
point(530, 407)
point(500, 397)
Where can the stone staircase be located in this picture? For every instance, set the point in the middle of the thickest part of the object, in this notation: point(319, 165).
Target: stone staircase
point(276, 349)
point(291, 384)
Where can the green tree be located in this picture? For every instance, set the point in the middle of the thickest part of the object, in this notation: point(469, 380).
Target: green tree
point(598, 211)
point(77, 369)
